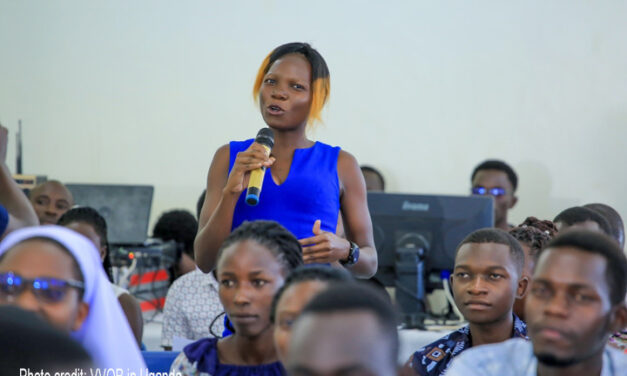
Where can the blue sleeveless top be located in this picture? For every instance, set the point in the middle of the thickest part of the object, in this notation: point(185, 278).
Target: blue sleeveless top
point(205, 352)
point(310, 192)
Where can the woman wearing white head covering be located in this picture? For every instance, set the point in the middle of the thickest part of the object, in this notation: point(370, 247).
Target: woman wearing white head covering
point(104, 333)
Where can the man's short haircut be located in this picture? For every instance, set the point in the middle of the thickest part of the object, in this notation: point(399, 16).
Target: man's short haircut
point(35, 190)
point(617, 226)
point(352, 297)
point(603, 245)
point(366, 168)
point(579, 214)
point(498, 236)
point(180, 226)
point(494, 164)
point(306, 274)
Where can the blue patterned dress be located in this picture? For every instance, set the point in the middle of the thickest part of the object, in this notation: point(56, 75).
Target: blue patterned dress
point(201, 359)
point(435, 358)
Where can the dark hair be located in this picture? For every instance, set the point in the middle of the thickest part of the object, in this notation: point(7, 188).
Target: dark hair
point(180, 226)
point(531, 234)
point(543, 225)
point(200, 203)
point(25, 343)
point(366, 168)
point(493, 164)
point(271, 235)
point(603, 245)
point(90, 216)
point(309, 273)
point(617, 227)
point(358, 297)
point(320, 77)
point(498, 236)
point(579, 214)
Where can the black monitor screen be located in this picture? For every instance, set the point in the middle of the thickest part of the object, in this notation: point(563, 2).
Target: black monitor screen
point(126, 208)
point(438, 223)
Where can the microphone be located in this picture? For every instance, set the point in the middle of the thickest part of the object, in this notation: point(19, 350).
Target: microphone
point(265, 137)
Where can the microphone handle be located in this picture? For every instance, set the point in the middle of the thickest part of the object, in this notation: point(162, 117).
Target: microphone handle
point(255, 183)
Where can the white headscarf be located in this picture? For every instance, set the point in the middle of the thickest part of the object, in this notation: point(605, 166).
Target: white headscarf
point(105, 333)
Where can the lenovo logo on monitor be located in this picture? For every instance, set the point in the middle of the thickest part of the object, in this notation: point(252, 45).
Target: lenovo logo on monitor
point(415, 206)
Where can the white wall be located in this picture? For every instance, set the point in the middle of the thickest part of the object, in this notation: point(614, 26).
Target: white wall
point(143, 92)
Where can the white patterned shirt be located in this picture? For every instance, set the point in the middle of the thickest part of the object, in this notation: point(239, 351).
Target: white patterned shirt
point(191, 305)
point(515, 358)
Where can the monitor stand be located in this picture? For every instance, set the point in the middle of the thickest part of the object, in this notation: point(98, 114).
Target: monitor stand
point(410, 286)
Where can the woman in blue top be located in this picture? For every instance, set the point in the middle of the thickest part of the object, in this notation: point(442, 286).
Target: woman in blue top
point(252, 265)
point(307, 184)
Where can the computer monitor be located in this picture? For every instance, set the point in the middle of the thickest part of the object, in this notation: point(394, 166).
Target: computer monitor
point(126, 208)
point(416, 237)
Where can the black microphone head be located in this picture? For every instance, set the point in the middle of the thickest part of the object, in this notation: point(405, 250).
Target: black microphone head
point(265, 136)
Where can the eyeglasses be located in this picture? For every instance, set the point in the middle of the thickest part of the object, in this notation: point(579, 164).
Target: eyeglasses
point(45, 289)
point(496, 191)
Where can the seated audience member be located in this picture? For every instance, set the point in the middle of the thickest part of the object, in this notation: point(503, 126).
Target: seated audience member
point(252, 264)
point(348, 329)
point(50, 200)
point(56, 273)
point(300, 287)
point(180, 226)
point(576, 300)
point(374, 179)
point(582, 218)
point(89, 223)
point(192, 307)
point(497, 179)
point(25, 344)
point(15, 210)
point(487, 278)
point(533, 235)
point(617, 228)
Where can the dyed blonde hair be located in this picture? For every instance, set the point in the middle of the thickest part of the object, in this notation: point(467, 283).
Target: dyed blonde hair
point(320, 77)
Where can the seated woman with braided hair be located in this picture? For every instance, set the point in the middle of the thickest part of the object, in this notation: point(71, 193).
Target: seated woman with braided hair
point(252, 265)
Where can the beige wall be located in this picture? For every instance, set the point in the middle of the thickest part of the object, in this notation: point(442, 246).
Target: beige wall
point(143, 92)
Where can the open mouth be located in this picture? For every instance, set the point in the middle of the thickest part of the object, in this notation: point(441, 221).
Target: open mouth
point(275, 110)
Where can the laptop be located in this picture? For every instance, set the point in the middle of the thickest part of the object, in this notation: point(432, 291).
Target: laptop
point(126, 208)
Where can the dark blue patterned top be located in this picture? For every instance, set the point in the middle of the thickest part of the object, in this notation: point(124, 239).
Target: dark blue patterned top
point(204, 355)
point(435, 358)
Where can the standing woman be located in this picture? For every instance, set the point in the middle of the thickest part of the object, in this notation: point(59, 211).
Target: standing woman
point(307, 184)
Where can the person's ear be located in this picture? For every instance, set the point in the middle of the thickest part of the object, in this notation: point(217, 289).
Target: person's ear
point(103, 252)
point(523, 284)
point(618, 318)
point(513, 201)
point(83, 311)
